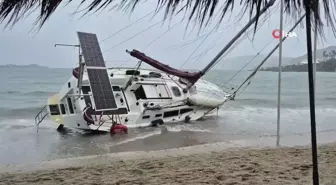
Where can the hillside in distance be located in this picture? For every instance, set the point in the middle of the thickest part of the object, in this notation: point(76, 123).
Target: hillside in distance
point(22, 66)
point(236, 63)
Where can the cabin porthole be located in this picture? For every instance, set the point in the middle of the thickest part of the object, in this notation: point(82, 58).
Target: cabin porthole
point(176, 91)
point(78, 124)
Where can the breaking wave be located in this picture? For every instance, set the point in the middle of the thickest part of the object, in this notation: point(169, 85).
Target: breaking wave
point(19, 112)
point(32, 93)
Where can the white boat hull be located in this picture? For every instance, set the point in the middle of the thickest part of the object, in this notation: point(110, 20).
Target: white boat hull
point(161, 101)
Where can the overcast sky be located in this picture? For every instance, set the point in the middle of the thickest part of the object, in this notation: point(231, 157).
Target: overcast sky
point(19, 46)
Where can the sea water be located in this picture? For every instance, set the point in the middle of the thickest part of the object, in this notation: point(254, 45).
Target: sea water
point(24, 92)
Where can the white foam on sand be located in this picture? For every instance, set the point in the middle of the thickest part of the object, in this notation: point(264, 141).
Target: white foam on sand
point(288, 141)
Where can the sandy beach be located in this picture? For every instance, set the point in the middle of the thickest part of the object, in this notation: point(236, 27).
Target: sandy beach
point(238, 166)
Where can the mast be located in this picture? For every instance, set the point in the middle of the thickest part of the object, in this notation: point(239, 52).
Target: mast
point(279, 73)
point(192, 78)
point(233, 40)
point(266, 58)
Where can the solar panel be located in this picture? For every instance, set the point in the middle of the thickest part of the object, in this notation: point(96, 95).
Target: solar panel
point(91, 49)
point(95, 66)
point(101, 89)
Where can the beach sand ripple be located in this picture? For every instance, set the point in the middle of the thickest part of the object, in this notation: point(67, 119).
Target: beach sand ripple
point(238, 167)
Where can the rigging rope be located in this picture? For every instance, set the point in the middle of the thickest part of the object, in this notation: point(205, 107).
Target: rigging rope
point(235, 45)
point(149, 44)
point(187, 42)
point(271, 39)
point(256, 69)
point(162, 34)
point(133, 36)
point(233, 76)
point(122, 29)
point(198, 46)
point(210, 48)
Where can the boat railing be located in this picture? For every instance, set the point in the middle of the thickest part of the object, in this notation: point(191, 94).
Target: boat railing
point(41, 115)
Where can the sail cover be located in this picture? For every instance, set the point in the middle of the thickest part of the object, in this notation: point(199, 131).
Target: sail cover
point(190, 76)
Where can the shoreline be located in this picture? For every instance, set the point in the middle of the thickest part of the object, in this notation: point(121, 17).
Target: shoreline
point(300, 141)
point(191, 165)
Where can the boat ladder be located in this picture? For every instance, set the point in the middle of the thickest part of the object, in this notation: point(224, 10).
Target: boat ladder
point(41, 115)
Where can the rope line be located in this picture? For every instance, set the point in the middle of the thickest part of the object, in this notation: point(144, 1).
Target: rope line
point(132, 37)
point(122, 29)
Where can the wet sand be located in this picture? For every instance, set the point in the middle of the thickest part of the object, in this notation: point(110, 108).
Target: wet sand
point(184, 166)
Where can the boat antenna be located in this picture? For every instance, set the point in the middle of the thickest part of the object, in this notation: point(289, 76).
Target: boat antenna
point(265, 59)
point(233, 40)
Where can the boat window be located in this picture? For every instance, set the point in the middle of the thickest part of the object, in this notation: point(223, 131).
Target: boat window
point(116, 88)
point(86, 90)
point(170, 113)
point(63, 109)
point(140, 93)
point(158, 115)
point(162, 90)
point(182, 111)
point(145, 117)
point(54, 110)
point(152, 91)
point(70, 106)
point(154, 75)
point(176, 91)
point(133, 72)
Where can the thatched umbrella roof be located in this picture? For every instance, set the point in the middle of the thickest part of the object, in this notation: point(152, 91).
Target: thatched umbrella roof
point(11, 11)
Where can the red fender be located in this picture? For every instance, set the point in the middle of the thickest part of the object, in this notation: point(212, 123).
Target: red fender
point(118, 128)
point(75, 72)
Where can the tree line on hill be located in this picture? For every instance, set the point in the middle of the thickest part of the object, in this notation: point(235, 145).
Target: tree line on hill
point(327, 64)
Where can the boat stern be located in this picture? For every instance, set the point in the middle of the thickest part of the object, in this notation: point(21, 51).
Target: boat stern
point(51, 110)
point(54, 106)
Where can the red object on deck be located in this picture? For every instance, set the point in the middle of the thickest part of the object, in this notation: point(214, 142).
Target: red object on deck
point(191, 76)
point(118, 128)
point(75, 72)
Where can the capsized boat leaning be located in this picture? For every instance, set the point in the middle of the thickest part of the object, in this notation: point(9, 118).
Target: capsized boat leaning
point(142, 97)
point(97, 98)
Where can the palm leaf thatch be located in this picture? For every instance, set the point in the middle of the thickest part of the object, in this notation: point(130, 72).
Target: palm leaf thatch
point(11, 11)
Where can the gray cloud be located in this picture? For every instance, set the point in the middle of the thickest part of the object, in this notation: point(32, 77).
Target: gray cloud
point(18, 46)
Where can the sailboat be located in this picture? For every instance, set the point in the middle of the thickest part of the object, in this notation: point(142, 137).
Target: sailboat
point(97, 98)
